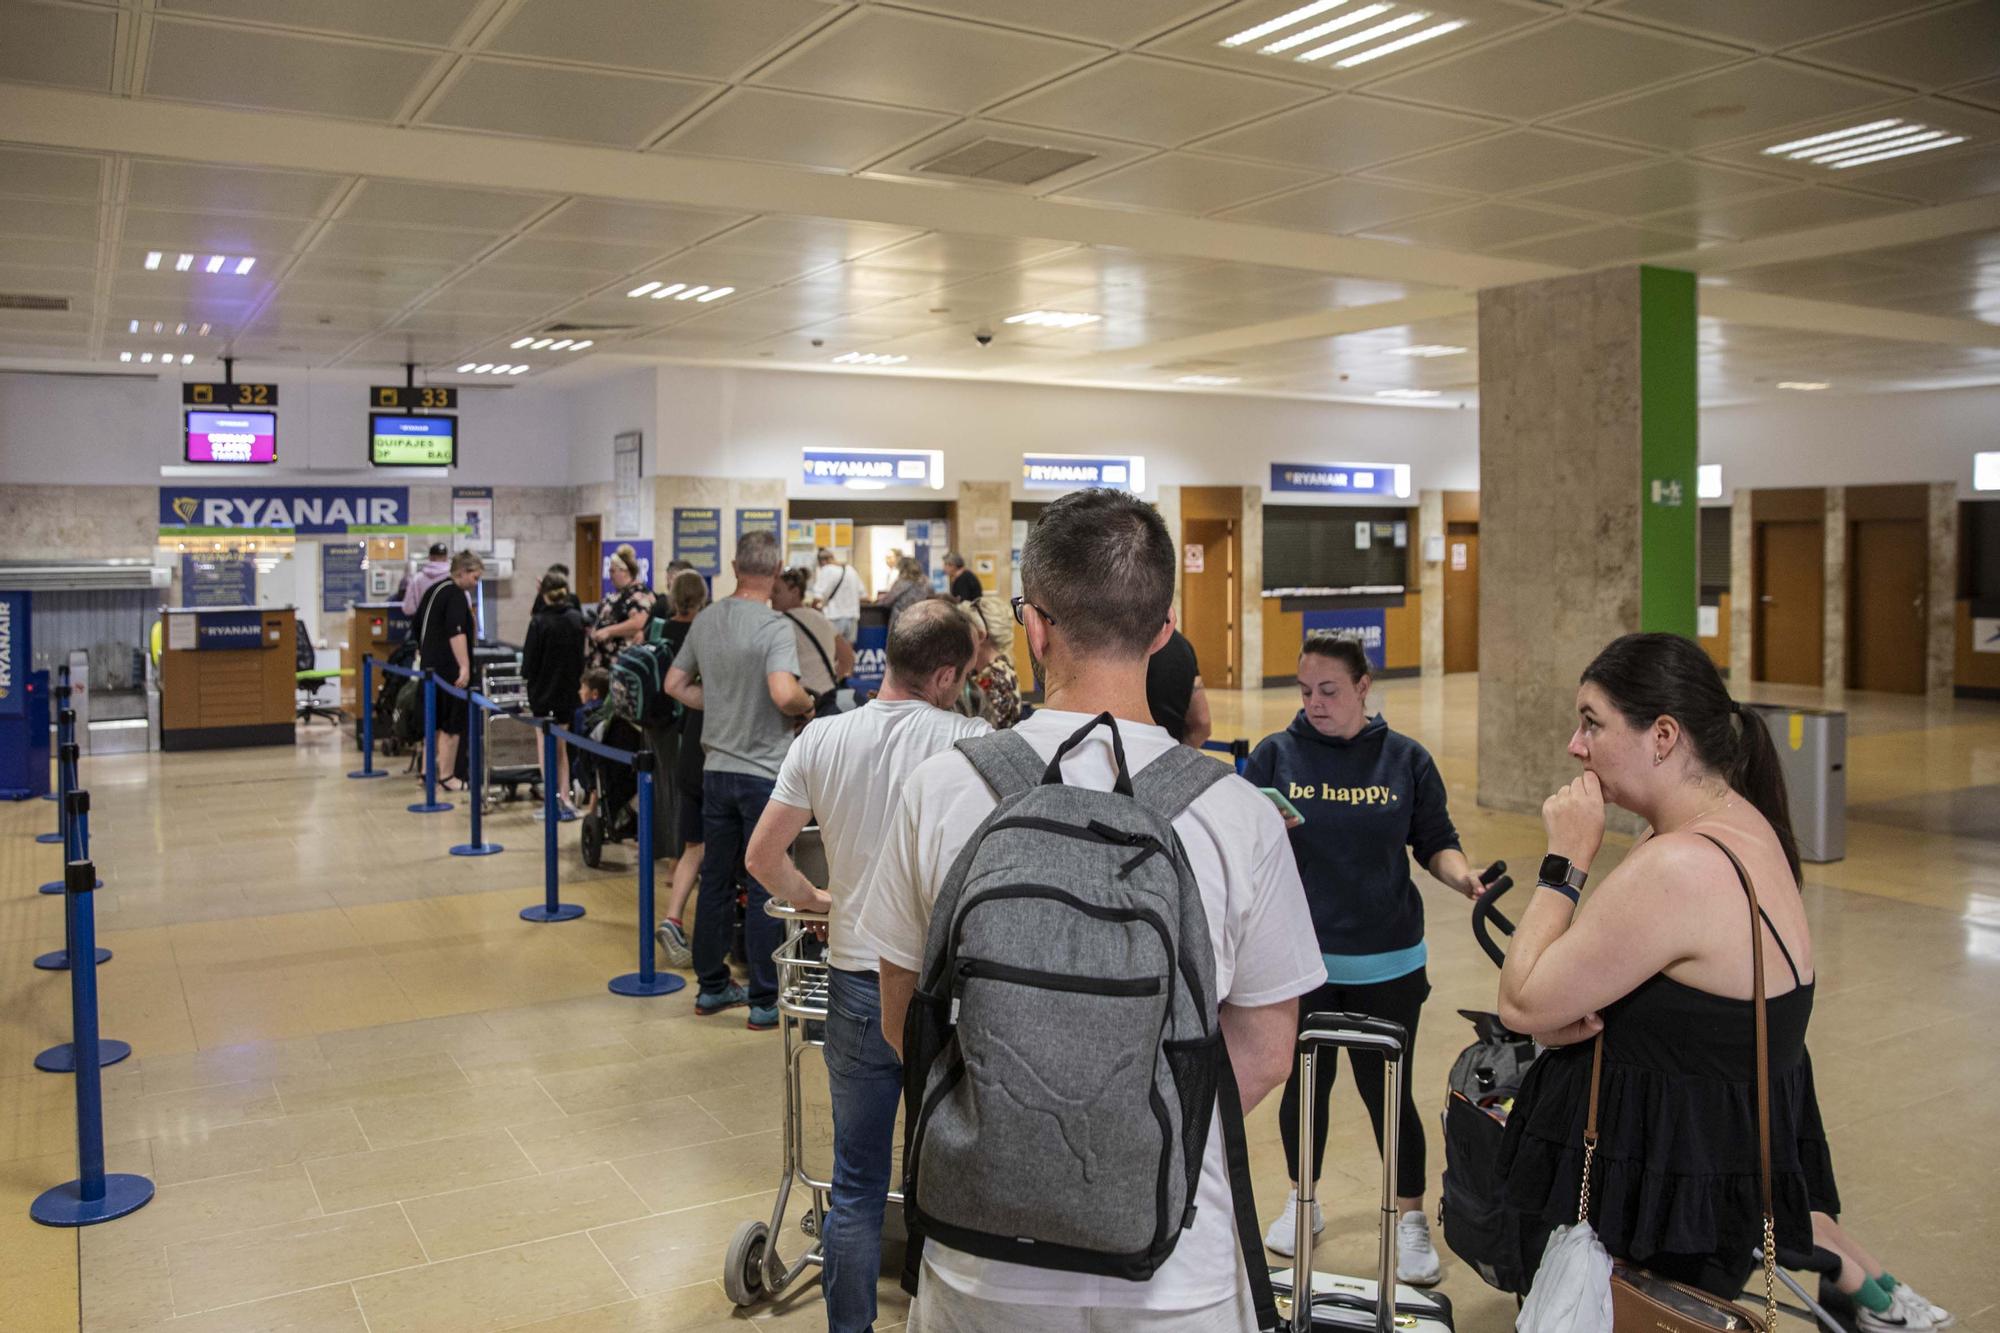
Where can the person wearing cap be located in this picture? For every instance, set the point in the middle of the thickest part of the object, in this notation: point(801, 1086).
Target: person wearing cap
point(433, 571)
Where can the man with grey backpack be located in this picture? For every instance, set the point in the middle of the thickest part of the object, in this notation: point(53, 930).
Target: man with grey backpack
point(1092, 943)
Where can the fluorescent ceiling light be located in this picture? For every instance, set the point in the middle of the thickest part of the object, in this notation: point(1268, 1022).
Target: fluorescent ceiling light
point(518, 370)
point(244, 266)
point(124, 356)
point(184, 263)
point(1407, 393)
point(467, 368)
point(1858, 145)
point(1053, 319)
point(578, 347)
point(1986, 472)
point(519, 343)
point(1898, 152)
point(715, 295)
point(1708, 482)
point(1896, 141)
point(1366, 35)
point(539, 343)
point(869, 359)
point(484, 369)
point(146, 358)
point(692, 291)
point(152, 259)
point(1427, 350)
point(665, 292)
point(1361, 15)
point(1803, 386)
point(180, 329)
point(1209, 381)
point(1863, 143)
point(1388, 48)
point(132, 327)
point(159, 326)
point(215, 263)
point(202, 332)
point(642, 289)
point(187, 358)
point(560, 343)
point(1778, 149)
point(1283, 21)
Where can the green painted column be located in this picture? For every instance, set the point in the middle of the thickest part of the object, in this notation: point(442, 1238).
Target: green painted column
point(1669, 519)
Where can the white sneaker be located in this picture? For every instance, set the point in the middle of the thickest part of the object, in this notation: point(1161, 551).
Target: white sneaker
point(1908, 1300)
point(1900, 1317)
point(1416, 1257)
point(1283, 1236)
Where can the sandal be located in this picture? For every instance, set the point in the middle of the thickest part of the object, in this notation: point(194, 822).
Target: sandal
point(451, 784)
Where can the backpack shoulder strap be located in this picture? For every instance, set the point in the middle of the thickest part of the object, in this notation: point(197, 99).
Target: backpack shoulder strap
point(813, 639)
point(1007, 763)
point(1176, 780)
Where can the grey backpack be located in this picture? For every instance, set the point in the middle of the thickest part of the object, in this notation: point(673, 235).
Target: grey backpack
point(1063, 1053)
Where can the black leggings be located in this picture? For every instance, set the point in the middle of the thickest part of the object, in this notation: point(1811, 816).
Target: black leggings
point(1399, 1001)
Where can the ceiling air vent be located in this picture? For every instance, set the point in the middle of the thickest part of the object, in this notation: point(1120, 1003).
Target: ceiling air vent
point(1002, 162)
point(23, 301)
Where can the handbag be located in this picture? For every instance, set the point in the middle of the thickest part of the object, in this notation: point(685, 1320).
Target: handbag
point(1643, 1301)
point(827, 702)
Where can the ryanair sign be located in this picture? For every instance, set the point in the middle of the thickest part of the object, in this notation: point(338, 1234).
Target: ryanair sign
point(305, 510)
point(1076, 472)
point(874, 469)
point(13, 651)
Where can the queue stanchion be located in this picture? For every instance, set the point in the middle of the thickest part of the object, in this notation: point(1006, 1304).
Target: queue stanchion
point(647, 980)
point(80, 941)
point(475, 739)
point(430, 805)
point(65, 743)
point(552, 907)
point(368, 769)
point(62, 730)
point(77, 822)
point(95, 1195)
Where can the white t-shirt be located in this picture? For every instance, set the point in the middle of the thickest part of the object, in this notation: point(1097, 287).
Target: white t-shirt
point(1265, 952)
point(849, 771)
point(839, 587)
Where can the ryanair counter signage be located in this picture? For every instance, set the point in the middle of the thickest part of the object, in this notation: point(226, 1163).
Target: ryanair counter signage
point(304, 510)
point(14, 662)
point(1075, 472)
point(874, 469)
point(1388, 480)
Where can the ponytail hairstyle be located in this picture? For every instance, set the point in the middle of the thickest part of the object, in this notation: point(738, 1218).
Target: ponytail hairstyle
point(629, 558)
point(1651, 676)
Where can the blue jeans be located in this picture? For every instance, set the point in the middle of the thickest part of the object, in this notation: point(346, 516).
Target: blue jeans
point(867, 1084)
point(731, 805)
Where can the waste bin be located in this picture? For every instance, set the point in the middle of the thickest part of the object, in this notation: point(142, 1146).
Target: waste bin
point(1812, 752)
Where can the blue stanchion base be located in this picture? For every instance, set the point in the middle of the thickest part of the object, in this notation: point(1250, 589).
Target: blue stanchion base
point(62, 1059)
point(47, 838)
point(51, 796)
point(57, 960)
point(632, 983)
point(65, 1206)
point(428, 807)
point(55, 886)
point(477, 849)
point(361, 773)
point(543, 913)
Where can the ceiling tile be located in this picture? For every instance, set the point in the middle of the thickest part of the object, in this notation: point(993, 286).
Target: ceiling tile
point(1804, 277)
point(704, 39)
point(361, 240)
point(1602, 245)
point(1147, 100)
point(1654, 188)
point(363, 273)
point(1119, 24)
point(263, 239)
point(1553, 66)
point(1766, 24)
point(274, 72)
point(1742, 219)
point(1345, 133)
point(21, 251)
point(557, 286)
point(463, 298)
point(71, 48)
point(185, 185)
point(1186, 183)
point(1100, 155)
point(889, 56)
point(1955, 255)
point(1479, 227)
point(1345, 205)
point(432, 22)
point(410, 204)
point(49, 175)
point(1987, 92)
point(1954, 173)
point(1754, 98)
point(965, 255)
point(360, 292)
point(723, 265)
point(1931, 50)
point(770, 126)
point(815, 241)
point(581, 256)
point(77, 284)
point(1516, 160)
point(43, 217)
point(657, 225)
point(587, 106)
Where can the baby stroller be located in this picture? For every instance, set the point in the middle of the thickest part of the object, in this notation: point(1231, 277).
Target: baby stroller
point(1481, 1089)
point(614, 815)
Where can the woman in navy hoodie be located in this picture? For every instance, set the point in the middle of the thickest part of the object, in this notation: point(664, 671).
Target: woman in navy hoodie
point(1366, 794)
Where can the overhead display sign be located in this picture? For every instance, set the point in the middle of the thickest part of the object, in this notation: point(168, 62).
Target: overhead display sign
point(698, 539)
point(1384, 479)
point(1075, 472)
point(231, 437)
point(400, 441)
point(305, 510)
point(229, 395)
point(874, 469)
point(413, 397)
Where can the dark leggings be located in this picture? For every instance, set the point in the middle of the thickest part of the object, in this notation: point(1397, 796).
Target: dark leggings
point(1399, 1001)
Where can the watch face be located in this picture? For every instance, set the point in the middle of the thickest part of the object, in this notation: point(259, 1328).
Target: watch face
point(1555, 869)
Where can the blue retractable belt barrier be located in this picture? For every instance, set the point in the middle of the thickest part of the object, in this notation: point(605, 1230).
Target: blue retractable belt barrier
point(80, 941)
point(552, 907)
point(1237, 750)
point(477, 706)
point(76, 849)
point(65, 738)
point(430, 805)
point(93, 1196)
point(646, 981)
point(368, 769)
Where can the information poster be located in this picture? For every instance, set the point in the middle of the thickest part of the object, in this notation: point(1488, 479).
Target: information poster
point(343, 575)
point(837, 535)
point(698, 539)
point(224, 578)
point(472, 515)
point(759, 520)
point(625, 471)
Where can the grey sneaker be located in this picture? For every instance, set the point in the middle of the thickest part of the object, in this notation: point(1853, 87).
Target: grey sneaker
point(730, 997)
point(674, 944)
point(763, 1017)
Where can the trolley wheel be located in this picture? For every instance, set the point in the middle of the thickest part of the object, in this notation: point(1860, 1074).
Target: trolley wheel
point(593, 840)
point(743, 1265)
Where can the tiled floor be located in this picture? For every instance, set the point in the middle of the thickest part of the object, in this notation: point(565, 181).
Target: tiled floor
point(373, 1099)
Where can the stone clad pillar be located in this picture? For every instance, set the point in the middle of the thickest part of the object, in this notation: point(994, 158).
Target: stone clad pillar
point(1588, 516)
point(1430, 523)
point(1742, 591)
point(1833, 631)
point(982, 531)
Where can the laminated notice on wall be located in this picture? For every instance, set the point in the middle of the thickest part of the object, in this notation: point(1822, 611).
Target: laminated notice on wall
point(1708, 621)
point(1363, 534)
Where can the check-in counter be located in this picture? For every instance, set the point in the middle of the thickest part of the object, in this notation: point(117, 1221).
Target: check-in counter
point(228, 677)
point(374, 629)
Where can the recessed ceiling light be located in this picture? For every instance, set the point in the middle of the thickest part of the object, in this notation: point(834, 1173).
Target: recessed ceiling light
point(1209, 381)
point(159, 326)
point(202, 332)
point(244, 266)
point(1427, 350)
point(869, 359)
point(132, 327)
point(539, 343)
point(180, 329)
point(1362, 38)
point(715, 295)
point(153, 259)
point(1407, 393)
point(1283, 21)
point(667, 291)
point(1053, 319)
point(467, 368)
point(146, 358)
point(485, 368)
point(1401, 43)
point(642, 289)
point(578, 347)
point(1803, 386)
point(124, 356)
point(560, 343)
point(1894, 150)
point(215, 263)
point(1335, 24)
point(518, 370)
point(692, 291)
point(519, 343)
point(184, 263)
point(187, 358)
point(1858, 145)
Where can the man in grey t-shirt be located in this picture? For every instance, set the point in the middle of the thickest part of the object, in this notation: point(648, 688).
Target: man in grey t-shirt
point(747, 660)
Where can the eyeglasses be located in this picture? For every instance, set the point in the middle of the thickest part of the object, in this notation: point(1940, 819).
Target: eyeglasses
point(1018, 602)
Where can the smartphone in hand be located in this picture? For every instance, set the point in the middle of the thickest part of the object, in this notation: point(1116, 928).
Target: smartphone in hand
point(1285, 807)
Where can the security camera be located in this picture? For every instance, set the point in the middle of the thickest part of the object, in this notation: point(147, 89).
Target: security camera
point(984, 337)
point(819, 342)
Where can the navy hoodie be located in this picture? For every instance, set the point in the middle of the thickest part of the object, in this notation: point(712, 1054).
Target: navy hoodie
point(1364, 801)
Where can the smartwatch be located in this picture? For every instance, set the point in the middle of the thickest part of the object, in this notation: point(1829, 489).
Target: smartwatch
point(1557, 873)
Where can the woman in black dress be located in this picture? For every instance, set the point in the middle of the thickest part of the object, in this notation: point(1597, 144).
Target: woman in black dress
point(1659, 963)
point(552, 661)
point(445, 634)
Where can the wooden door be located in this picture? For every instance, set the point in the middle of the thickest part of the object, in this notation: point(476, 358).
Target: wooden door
point(1461, 598)
point(1888, 561)
point(587, 575)
point(1791, 599)
point(1208, 597)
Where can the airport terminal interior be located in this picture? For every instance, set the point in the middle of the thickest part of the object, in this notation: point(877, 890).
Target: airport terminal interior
point(1479, 333)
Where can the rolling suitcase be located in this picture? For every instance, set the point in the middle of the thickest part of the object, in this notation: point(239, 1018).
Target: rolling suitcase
point(1347, 1303)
